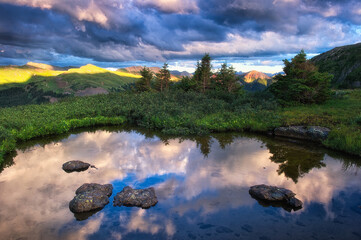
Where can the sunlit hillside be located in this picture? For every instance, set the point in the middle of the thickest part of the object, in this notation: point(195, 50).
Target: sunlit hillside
point(35, 71)
point(37, 82)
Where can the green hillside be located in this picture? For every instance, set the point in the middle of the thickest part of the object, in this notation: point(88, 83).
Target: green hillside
point(37, 83)
point(344, 63)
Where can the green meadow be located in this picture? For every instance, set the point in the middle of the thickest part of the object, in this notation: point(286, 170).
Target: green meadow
point(176, 112)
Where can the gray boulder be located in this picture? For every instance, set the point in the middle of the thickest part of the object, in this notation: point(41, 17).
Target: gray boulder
point(76, 166)
point(312, 133)
point(90, 196)
point(275, 194)
point(129, 197)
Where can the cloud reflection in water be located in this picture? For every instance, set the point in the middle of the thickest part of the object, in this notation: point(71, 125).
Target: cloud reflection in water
point(36, 192)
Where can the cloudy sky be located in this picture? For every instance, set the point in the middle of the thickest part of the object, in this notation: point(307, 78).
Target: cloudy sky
point(255, 34)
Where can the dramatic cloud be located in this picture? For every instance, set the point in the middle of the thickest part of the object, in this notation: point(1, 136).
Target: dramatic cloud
point(160, 30)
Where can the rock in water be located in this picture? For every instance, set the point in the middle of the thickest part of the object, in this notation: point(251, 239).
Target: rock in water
point(90, 196)
point(144, 198)
point(76, 166)
point(294, 203)
point(106, 189)
point(312, 133)
point(270, 193)
point(275, 194)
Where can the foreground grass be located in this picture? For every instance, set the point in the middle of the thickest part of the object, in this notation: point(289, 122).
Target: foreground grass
point(180, 113)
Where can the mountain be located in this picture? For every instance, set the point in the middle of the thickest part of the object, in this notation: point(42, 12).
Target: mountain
point(137, 69)
point(344, 63)
point(181, 74)
point(255, 75)
point(255, 81)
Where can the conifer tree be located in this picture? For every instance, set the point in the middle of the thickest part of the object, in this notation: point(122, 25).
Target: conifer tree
point(144, 84)
point(301, 82)
point(226, 79)
point(203, 73)
point(163, 78)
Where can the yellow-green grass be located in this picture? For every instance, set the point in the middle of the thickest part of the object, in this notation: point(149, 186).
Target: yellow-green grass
point(10, 75)
point(13, 74)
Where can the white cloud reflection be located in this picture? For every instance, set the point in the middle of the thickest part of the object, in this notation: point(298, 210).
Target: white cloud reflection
point(36, 192)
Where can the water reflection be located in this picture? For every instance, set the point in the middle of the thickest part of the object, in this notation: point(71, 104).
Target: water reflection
point(202, 186)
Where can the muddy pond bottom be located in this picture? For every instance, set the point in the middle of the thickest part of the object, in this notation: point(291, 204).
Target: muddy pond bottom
point(201, 184)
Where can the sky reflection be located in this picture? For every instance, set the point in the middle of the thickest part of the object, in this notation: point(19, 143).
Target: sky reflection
point(191, 186)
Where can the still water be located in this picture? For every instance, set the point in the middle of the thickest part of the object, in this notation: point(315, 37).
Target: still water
point(202, 187)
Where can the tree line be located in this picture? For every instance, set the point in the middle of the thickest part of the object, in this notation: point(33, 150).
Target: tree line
point(301, 81)
point(203, 80)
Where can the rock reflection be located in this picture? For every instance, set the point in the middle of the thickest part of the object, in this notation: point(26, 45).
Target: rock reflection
point(194, 178)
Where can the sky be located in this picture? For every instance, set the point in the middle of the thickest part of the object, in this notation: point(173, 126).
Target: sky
point(249, 35)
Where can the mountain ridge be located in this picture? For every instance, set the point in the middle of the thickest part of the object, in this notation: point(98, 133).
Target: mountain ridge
point(344, 63)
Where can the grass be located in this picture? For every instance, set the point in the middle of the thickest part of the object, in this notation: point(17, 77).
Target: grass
point(184, 113)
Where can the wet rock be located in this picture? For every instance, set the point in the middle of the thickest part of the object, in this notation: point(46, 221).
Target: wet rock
point(312, 133)
point(129, 197)
point(106, 189)
point(280, 196)
point(90, 197)
point(76, 166)
point(270, 193)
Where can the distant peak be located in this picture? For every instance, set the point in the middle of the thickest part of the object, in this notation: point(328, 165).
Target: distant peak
point(254, 75)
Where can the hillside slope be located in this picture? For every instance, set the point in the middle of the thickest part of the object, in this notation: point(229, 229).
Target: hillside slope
point(344, 63)
point(37, 83)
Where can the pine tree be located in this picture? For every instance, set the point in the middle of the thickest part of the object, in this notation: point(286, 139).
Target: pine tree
point(226, 80)
point(203, 73)
point(301, 82)
point(143, 84)
point(163, 78)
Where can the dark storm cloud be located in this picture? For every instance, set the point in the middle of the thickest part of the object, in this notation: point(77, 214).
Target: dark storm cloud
point(156, 30)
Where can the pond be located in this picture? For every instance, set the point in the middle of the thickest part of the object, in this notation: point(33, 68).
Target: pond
point(201, 183)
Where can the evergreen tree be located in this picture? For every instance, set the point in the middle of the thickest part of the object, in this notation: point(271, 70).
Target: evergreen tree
point(143, 84)
point(187, 84)
point(203, 73)
point(163, 78)
point(226, 80)
point(301, 82)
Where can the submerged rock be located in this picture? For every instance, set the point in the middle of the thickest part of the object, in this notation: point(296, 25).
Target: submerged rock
point(90, 196)
point(76, 166)
point(285, 197)
point(312, 133)
point(129, 197)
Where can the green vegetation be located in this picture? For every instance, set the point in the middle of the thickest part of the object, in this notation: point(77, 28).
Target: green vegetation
point(177, 112)
point(301, 83)
point(206, 103)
